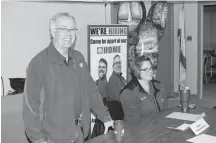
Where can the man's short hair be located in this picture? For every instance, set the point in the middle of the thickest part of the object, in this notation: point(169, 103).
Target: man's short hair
point(52, 22)
point(103, 61)
point(135, 67)
point(116, 57)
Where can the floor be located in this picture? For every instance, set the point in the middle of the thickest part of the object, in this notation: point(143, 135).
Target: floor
point(209, 94)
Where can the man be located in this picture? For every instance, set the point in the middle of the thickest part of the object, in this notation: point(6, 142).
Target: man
point(59, 90)
point(115, 85)
point(116, 80)
point(101, 83)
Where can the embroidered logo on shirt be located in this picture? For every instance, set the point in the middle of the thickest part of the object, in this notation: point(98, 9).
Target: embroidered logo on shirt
point(81, 65)
point(143, 98)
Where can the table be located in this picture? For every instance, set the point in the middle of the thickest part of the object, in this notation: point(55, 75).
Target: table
point(153, 129)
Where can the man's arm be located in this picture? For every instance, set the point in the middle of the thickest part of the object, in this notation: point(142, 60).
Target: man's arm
point(31, 102)
point(95, 99)
point(96, 102)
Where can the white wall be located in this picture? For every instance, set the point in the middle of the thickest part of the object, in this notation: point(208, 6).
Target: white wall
point(25, 31)
point(191, 26)
point(192, 46)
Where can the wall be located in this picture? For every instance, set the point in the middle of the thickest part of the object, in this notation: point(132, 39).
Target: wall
point(165, 66)
point(191, 27)
point(25, 31)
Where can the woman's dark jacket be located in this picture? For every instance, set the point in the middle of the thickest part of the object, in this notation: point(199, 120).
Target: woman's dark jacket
point(138, 104)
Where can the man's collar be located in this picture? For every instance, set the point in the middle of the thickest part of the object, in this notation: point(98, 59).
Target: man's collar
point(103, 78)
point(117, 74)
point(56, 56)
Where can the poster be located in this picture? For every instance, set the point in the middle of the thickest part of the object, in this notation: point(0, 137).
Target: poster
point(107, 41)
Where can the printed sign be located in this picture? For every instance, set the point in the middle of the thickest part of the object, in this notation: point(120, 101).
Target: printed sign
point(107, 42)
point(199, 126)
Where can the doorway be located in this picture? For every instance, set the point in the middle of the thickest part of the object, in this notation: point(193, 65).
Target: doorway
point(209, 50)
point(206, 50)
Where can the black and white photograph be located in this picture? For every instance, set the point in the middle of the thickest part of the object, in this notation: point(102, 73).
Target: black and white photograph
point(108, 71)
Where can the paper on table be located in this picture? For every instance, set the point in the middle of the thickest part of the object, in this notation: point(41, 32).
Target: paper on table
point(203, 138)
point(183, 127)
point(180, 128)
point(185, 116)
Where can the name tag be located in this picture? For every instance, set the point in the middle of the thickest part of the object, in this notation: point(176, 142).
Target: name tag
point(199, 126)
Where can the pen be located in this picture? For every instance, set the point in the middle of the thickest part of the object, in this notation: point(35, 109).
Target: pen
point(174, 129)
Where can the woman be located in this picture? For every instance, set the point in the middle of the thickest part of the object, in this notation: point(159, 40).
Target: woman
point(142, 96)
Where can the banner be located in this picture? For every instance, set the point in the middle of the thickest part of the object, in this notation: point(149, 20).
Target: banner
point(106, 42)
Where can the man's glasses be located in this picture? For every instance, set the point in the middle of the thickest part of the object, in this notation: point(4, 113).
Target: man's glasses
point(101, 67)
point(66, 30)
point(147, 70)
point(117, 63)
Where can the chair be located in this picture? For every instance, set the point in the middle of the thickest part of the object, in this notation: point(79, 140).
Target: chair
point(97, 127)
point(17, 84)
point(92, 122)
point(115, 110)
point(205, 64)
point(213, 65)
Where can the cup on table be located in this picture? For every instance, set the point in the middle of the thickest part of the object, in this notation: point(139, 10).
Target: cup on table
point(118, 126)
point(185, 96)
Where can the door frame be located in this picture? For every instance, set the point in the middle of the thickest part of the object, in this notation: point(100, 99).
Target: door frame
point(201, 5)
point(172, 50)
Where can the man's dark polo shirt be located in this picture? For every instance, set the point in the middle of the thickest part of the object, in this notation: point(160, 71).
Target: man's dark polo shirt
point(102, 86)
point(115, 85)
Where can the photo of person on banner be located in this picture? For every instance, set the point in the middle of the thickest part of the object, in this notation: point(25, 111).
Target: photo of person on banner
point(115, 85)
point(101, 82)
point(116, 80)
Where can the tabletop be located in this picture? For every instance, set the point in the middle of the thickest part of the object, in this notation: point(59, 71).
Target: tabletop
point(153, 129)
